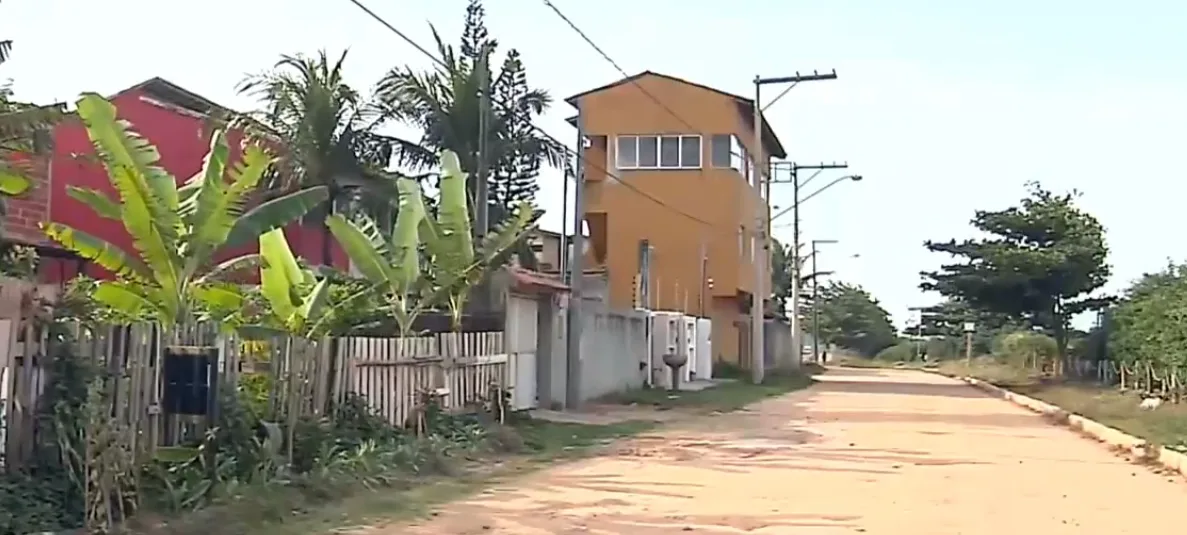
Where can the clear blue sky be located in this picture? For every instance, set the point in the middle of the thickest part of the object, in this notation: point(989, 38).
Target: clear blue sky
point(944, 107)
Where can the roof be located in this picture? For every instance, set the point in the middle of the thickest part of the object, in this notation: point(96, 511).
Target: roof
point(745, 107)
point(528, 279)
point(172, 93)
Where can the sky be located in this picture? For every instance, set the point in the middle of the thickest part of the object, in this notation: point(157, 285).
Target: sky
point(943, 107)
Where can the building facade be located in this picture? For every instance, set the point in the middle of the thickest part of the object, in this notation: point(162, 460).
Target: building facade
point(670, 204)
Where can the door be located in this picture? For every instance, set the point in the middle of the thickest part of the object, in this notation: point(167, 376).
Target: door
point(521, 350)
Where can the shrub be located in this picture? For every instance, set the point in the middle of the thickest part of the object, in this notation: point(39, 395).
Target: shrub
point(900, 352)
point(1027, 349)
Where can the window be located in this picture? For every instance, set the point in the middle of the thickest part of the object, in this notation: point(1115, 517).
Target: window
point(690, 152)
point(648, 152)
point(722, 150)
point(658, 152)
point(669, 151)
point(628, 153)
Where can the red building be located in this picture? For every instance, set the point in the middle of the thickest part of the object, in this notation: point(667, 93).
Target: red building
point(176, 122)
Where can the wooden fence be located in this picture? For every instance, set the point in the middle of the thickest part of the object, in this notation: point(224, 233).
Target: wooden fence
point(306, 377)
point(391, 372)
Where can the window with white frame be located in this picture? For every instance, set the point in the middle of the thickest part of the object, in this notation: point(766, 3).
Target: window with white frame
point(721, 150)
point(658, 152)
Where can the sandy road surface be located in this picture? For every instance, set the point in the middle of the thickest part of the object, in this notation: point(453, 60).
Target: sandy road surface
point(866, 451)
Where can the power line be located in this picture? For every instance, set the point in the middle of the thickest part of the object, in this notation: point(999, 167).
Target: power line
point(577, 154)
point(627, 76)
point(615, 64)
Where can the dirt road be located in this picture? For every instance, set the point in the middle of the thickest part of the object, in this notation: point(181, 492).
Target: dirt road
point(866, 451)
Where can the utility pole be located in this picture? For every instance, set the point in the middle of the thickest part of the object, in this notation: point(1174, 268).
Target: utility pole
point(562, 252)
point(762, 231)
point(815, 309)
point(576, 274)
point(482, 191)
point(796, 335)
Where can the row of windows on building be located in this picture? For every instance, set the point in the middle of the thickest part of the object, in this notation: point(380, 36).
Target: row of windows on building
point(680, 152)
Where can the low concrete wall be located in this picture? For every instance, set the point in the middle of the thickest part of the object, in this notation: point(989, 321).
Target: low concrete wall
point(613, 345)
point(1139, 448)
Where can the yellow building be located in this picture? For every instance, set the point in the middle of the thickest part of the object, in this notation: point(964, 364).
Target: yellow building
point(673, 230)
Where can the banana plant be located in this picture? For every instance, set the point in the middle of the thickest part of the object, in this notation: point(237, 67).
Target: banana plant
point(455, 265)
point(296, 296)
point(391, 264)
point(171, 277)
point(451, 265)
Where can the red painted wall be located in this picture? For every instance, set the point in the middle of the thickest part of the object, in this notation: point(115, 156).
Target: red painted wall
point(182, 139)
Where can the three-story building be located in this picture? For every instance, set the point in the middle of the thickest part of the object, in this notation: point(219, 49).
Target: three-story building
point(670, 201)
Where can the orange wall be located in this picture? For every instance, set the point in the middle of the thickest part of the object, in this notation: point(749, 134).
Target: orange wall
point(719, 197)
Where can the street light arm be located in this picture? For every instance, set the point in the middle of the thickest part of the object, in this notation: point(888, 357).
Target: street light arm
point(854, 178)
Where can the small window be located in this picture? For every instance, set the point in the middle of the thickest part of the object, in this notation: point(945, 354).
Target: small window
point(722, 155)
point(669, 151)
point(648, 152)
point(628, 152)
point(690, 151)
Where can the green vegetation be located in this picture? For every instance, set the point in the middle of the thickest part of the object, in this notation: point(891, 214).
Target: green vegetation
point(1040, 265)
point(850, 318)
point(1166, 426)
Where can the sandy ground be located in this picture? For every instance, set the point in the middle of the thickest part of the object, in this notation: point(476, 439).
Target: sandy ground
point(866, 451)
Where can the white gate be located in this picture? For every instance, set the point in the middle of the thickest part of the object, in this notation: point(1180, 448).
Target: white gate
point(521, 342)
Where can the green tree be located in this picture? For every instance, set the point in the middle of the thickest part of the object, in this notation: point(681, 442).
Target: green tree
point(324, 134)
point(171, 277)
point(447, 106)
point(781, 274)
point(851, 318)
point(1039, 264)
point(1147, 329)
point(947, 319)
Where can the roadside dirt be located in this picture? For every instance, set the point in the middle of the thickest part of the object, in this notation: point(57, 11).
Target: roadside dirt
point(866, 451)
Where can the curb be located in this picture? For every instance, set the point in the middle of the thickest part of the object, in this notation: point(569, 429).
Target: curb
point(1140, 449)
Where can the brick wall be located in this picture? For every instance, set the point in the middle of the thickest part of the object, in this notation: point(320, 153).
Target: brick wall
point(24, 214)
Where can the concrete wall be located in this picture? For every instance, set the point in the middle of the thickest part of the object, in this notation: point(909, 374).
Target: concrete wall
point(778, 350)
point(613, 347)
point(613, 344)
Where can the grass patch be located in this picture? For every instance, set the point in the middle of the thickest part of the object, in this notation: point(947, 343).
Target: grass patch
point(526, 446)
point(726, 396)
point(992, 370)
point(1166, 426)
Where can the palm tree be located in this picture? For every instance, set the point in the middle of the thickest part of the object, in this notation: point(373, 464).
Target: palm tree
point(448, 107)
point(323, 133)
